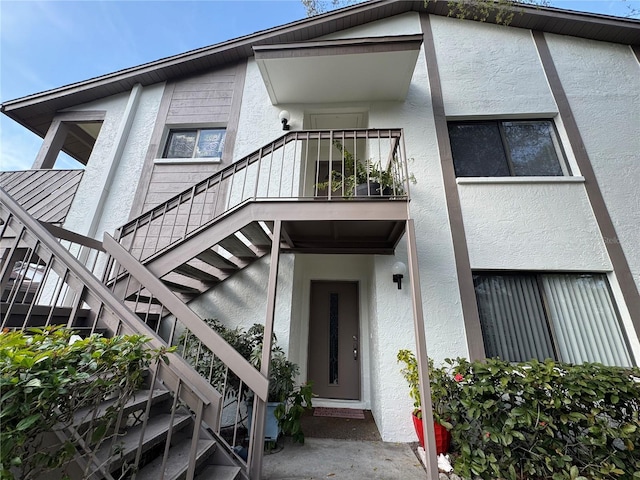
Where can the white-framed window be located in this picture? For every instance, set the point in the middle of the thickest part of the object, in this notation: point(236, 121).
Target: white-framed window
point(505, 148)
point(195, 143)
point(564, 316)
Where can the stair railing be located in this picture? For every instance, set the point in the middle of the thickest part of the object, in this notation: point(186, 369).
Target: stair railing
point(294, 166)
point(226, 369)
point(24, 238)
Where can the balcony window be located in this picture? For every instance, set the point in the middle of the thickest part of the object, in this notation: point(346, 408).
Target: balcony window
point(506, 148)
point(195, 143)
point(565, 317)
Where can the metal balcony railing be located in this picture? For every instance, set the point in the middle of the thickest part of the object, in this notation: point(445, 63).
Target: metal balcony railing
point(325, 165)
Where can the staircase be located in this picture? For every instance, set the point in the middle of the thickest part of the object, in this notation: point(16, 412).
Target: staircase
point(142, 280)
point(168, 425)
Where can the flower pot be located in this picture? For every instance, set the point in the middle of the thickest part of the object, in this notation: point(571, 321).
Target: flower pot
point(271, 428)
point(443, 436)
point(372, 189)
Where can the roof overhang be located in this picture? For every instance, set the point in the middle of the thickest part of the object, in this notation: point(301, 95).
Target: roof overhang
point(335, 71)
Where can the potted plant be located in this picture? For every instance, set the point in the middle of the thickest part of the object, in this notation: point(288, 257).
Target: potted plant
point(439, 399)
point(361, 179)
point(286, 401)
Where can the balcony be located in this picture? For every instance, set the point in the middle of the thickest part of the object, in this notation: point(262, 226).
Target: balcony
point(335, 191)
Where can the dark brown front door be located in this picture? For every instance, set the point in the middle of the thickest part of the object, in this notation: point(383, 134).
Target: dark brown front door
point(334, 342)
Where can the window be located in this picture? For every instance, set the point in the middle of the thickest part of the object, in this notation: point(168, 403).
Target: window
point(195, 143)
point(566, 317)
point(506, 148)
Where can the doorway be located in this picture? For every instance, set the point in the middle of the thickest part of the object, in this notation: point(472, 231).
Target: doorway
point(334, 340)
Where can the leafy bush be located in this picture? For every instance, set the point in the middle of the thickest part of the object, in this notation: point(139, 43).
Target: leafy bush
point(542, 420)
point(282, 373)
point(53, 380)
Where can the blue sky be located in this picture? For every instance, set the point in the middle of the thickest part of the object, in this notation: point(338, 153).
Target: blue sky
point(51, 43)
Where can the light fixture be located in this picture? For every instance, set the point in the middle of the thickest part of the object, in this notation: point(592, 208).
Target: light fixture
point(398, 270)
point(284, 118)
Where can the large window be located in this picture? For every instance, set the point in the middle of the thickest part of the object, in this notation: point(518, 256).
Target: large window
point(506, 148)
point(566, 317)
point(195, 143)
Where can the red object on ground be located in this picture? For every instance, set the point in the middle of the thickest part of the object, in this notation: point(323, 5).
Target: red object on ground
point(443, 436)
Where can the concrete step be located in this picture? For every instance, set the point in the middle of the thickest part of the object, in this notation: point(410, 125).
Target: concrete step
point(218, 472)
point(155, 434)
point(178, 461)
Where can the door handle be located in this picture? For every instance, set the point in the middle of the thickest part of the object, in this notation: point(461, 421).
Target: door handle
point(355, 347)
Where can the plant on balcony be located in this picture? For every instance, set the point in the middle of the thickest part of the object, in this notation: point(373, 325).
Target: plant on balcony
point(291, 399)
point(54, 381)
point(361, 178)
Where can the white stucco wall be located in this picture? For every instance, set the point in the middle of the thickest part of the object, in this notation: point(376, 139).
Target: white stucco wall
point(602, 83)
point(242, 299)
point(86, 200)
point(258, 123)
point(123, 189)
point(531, 225)
point(489, 70)
point(117, 206)
point(404, 24)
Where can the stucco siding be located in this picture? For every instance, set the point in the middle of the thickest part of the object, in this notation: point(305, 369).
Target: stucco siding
point(489, 70)
point(123, 188)
point(242, 299)
point(87, 197)
point(403, 24)
point(531, 226)
point(602, 83)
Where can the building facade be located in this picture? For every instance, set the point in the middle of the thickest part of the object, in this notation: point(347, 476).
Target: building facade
point(524, 144)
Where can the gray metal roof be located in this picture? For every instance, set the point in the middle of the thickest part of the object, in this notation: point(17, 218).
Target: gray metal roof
point(44, 194)
point(36, 111)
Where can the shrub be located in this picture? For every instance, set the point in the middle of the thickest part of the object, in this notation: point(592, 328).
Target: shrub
point(542, 420)
point(293, 400)
point(52, 380)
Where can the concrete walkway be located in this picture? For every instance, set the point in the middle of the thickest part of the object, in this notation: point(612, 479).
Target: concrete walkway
point(321, 458)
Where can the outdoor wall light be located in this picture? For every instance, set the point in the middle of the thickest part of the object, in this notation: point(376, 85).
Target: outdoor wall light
point(398, 270)
point(284, 118)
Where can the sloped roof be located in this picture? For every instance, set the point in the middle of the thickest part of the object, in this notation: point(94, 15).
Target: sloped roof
point(45, 194)
point(36, 111)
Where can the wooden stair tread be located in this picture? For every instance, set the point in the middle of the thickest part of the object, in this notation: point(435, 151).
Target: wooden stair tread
point(218, 472)
point(137, 401)
point(193, 272)
point(236, 247)
point(154, 434)
point(256, 235)
point(176, 287)
point(177, 461)
point(216, 260)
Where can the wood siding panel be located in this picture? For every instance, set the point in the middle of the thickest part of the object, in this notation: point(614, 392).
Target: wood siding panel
point(169, 180)
point(201, 98)
point(211, 99)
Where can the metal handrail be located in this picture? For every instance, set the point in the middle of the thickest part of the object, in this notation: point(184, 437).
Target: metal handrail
point(289, 167)
point(26, 233)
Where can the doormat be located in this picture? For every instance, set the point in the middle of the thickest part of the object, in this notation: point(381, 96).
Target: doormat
point(338, 412)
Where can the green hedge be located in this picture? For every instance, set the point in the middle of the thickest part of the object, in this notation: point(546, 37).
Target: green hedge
point(540, 420)
point(48, 376)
